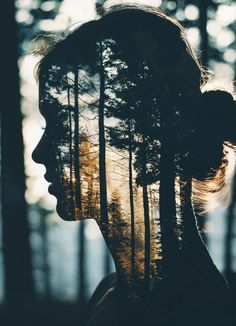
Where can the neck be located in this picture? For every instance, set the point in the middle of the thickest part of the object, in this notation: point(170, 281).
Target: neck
point(189, 222)
point(167, 239)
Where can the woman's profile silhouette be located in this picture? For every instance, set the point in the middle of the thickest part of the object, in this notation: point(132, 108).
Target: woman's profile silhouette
point(132, 142)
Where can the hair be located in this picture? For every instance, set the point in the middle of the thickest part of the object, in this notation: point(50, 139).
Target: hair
point(212, 150)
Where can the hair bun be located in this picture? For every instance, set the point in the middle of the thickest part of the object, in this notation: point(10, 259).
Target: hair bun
point(213, 123)
point(219, 115)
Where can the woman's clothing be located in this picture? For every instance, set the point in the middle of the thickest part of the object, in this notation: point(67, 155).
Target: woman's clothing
point(193, 293)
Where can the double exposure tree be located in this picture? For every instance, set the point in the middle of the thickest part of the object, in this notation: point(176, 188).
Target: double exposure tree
point(135, 134)
point(102, 140)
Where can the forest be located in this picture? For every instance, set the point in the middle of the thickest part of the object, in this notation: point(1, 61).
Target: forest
point(50, 267)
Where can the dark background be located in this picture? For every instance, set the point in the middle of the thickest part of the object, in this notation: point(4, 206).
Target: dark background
point(49, 268)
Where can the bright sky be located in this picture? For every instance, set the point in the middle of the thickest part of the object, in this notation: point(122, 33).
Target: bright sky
point(78, 10)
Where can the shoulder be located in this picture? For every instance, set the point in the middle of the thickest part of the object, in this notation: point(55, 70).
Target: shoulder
point(101, 302)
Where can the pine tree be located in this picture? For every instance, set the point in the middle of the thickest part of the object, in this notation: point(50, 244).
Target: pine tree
point(102, 145)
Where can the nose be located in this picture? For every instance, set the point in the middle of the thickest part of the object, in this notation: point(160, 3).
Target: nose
point(40, 151)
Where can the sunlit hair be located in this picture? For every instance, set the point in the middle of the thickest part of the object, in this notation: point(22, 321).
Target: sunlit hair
point(216, 181)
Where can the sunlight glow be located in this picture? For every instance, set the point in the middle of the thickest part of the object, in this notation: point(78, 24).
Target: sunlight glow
point(180, 15)
point(226, 14)
point(193, 36)
point(23, 16)
point(25, 4)
point(48, 25)
point(48, 5)
point(191, 12)
point(28, 85)
point(223, 77)
point(171, 5)
point(225, 38)
point(213, 28)
point(230, 55)
point(78, 11)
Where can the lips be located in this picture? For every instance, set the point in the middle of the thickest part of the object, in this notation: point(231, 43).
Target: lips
point(52, 189)
point(49, 178)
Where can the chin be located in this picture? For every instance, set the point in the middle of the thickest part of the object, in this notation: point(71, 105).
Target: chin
point(63, 213)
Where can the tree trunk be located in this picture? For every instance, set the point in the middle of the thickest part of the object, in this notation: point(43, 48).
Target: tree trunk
point(146, 222)
point(102, 150)
point(90, 197)
point(72, 203)
point(147, 239)
point(131, 199)
point(76, 142)
point(16, 248)
point(60, 164)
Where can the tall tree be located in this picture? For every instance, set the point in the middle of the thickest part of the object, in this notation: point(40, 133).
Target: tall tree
point(70, 109)
point(131, 196)
point(17, 255)
point(102, 145)
point(146, 218)
point(89, 172)
point(121, 137)
point(76, 139)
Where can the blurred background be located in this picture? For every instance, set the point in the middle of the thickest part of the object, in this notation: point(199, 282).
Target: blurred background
point(49, 268)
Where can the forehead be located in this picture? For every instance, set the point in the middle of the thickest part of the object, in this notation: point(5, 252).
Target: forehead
point(53, 81)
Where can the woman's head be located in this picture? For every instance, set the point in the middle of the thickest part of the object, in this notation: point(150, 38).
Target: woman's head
point(104, 92)
point(145, 35)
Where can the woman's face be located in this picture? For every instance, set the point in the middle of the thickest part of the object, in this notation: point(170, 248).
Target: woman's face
point(52, 149)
